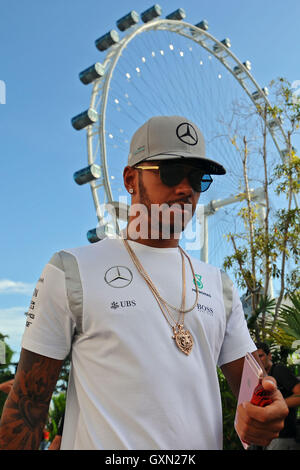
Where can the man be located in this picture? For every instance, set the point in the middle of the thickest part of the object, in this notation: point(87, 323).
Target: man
point(147, 326)
point(289, 386)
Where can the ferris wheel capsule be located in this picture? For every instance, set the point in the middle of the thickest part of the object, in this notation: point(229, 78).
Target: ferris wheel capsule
point(151, 13)
point(128, 20)
point(107, 40)
point(226, 42)
point(87, 174)
point(103, 231)
point(202, 25)
point(238, 70)
point(92, 73)
point(92, 236)
point(256, 95)
point(82, 120)
point(285, 153)
point(275, 122)
point(177, 15)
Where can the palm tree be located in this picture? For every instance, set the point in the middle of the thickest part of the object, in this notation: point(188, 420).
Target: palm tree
point(287, 328)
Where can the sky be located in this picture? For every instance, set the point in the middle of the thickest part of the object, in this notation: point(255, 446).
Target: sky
point(43, 47)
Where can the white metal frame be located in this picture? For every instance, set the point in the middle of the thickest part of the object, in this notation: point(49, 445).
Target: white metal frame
point(101, 89)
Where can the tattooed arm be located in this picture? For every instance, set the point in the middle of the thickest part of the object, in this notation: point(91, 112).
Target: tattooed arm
point(26, 408)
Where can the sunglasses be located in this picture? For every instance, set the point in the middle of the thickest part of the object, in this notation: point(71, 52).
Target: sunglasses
point(173, 174)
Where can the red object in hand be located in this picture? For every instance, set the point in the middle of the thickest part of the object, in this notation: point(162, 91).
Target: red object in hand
point(261, 397)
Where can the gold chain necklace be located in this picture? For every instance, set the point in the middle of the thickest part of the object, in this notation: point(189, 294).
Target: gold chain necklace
point(182, 337)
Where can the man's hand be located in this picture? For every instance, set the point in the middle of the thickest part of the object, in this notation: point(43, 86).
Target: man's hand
point(26, 408)
point(259, 425)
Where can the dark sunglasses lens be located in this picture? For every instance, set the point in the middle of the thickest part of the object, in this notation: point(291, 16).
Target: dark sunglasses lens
point(195, 179)
point(200, 182)
point(206, 182)
point(171, 174)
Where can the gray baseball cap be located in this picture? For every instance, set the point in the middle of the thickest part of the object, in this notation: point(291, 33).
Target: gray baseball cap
point(169, 138)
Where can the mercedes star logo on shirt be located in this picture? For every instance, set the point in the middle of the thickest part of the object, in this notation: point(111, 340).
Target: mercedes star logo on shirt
point(118, 276)
point(187, 134)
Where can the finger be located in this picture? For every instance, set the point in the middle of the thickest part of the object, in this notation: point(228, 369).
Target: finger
point(269, 383)
point(257, 424)
point(258, 439)
point(254, 432)
point(276, 411)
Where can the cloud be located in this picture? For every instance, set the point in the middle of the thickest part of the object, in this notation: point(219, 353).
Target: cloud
point(12, 324)
point(12, 287)
point(12, 311)
point(11, 319)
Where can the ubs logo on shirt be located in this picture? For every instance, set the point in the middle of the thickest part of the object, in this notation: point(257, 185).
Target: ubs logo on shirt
point(123, 303)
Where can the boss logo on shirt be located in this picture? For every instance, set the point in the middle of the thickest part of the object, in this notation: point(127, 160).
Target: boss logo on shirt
point(205, 309)
point(123, 303)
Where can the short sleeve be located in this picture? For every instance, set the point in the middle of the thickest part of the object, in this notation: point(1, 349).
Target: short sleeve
point(237, 340)
point(49, 325)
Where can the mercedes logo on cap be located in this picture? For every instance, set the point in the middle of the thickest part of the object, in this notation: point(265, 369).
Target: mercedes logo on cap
point(187, 134)
point(118, 276)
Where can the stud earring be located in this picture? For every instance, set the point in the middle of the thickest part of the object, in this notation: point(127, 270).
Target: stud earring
point(131, 191)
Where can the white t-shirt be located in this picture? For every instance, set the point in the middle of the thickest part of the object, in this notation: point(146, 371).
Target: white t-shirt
point(130, 387)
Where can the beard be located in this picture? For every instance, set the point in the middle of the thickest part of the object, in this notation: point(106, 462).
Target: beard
point(166, 220)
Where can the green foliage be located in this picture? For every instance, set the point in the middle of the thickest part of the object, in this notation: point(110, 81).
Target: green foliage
point(231, 440)
point(56, 413)
point(287, 328)
point(58, 402)
point(290, 317)
point(8, 352)
point(256, 321)
point(270, 238)
point(62, 383)
point(5, 371)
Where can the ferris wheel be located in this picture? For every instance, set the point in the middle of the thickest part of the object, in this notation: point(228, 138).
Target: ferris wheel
point(167, 66)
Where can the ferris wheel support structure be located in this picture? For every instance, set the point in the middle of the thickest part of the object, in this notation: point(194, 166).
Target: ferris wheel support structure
point(204, 39)
point(257, 195)
point(101, 86)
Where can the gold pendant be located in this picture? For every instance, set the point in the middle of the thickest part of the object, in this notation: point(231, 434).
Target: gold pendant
point(183, 339)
